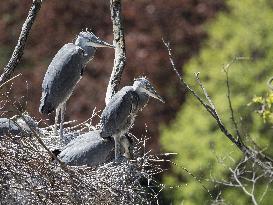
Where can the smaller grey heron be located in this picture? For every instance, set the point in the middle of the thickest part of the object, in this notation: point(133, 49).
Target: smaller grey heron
point(87, 149)
point(65, 71)
point(8, 126)
point(17, 125)
point(120, 113)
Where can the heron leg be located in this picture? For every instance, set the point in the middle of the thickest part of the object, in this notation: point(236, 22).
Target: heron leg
point(56, 121)
point(62, 121)
point(127, 144)
point(117, 147)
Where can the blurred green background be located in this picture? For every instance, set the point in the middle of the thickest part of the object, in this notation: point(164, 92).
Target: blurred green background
point(205, 35)
point(245, 29)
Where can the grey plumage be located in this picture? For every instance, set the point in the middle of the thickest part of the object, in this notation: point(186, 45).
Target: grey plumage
point(62, 75)
point(17, 126)
point(87, 149)
point(65, 71)
point(7, 126)
point(119, 114)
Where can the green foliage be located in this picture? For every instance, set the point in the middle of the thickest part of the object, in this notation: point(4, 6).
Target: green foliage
point(245, 30)
point(264, 107)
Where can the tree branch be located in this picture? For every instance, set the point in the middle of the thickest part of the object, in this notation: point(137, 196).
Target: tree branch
point(120, 54)
point(19, 48)
point(264, 161)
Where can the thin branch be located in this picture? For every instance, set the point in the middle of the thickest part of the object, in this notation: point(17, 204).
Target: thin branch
point(19, 48)
point(243, 187)
point(239, 137)
point(208, 108)
point(226, 69)
point(265, 191)
point(120, 53)
point(205, 93)
point(11, 79)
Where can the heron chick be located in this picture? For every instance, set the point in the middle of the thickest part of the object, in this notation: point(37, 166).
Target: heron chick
point(119, 114)
point(65, 71)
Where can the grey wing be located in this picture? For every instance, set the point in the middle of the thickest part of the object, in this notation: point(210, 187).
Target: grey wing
point(61, 77)
point(119, 113)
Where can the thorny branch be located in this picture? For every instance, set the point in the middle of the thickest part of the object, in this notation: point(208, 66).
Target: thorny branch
point(263, 161)
point(19, 48)
point(120, 53)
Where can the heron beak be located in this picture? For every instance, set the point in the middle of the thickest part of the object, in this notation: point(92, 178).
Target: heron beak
point(157, 96)
point(100, 43)
point(160, 99)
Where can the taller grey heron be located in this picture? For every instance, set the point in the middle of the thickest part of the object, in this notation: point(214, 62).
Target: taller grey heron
point(65, 71)
point(120, 113)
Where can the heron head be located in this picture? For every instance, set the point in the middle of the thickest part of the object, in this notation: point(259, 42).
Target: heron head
point(142, 84)
point(86, 38)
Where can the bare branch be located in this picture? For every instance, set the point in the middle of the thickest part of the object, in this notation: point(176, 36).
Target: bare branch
point(209, 107)
point(120, 53)
point(247, 176)
point(19, 48)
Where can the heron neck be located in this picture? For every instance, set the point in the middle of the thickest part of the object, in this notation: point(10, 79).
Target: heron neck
point(139, 90)
point(89, 53)
point(143, 97)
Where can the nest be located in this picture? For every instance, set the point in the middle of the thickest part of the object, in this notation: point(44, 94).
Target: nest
point(28, 175)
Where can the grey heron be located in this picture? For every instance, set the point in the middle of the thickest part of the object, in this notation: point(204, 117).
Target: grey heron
point(7, 126)
point(87, 149)
point(17, 125)
point(64, 72)
point(119, 114)
point(91, 149)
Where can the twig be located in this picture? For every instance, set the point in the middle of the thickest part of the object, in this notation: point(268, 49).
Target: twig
point(11, 79)
point(239, 137)
point(120, 53)
point(19, 48)
point(205, 93)
point(226, 69)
